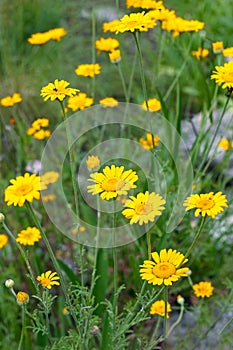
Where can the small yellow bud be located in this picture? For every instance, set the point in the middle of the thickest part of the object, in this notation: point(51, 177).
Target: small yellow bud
point(180, 299)
point(22, 298)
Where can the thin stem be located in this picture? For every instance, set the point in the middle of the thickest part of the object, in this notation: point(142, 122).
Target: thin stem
point(22, 329)
point(114, 254)
point(165, 311)
point(96, 244)
point(178, 319)
point(195, 238)
point(118, 66)
point(148, 238)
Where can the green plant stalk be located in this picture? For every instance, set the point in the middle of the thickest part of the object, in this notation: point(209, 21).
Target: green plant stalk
point(165, 311)
point(114, 254)
point(96, 246)
point(119, 69)
point(178, 320)
point(93, 52)
point(195, 238)
point(148, 238)
point(22, 329)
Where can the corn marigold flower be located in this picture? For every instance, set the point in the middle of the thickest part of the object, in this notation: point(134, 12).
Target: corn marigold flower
point(48, 279)
point(143, 208)
point(206, 203)
point(115, 56)
point(22, 189)
point(108, 102)
point(10, 101)
point(29, 236)
point(165, 269)
point(57, 33)
point(154, 105)
point(224, 75)
point(93, 162)
point(113, 181)
point(217, 46)
point(88, 70)
point(148, 143)
point(180, 25)
point(39, 38)
point(203, 289)
point(42, 134)
point(158, 308)
point(22, 298)
point(50, 177)
point(57, 90)
point(225, 144)
point(80, 101)
point(106, 44)
point(145, 4)
point(228, 52)
point(111, 26)
point(162, 15)
point(3, 240)
point(40, 123)
point(200, 53)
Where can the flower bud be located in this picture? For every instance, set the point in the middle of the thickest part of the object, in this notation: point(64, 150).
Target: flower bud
point(2, 218)
point(22, 298)
point(180, 299)
point(9, 283)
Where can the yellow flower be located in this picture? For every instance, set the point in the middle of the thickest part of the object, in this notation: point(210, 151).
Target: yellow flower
point(3, 240)
point(145, 4)
point(57, 90)
point(162, 15)
point(180, 25)
point(93, 162)
point(40, 122)
point(112, 182)
point(22, 298)
point(224, 75)
point(108, 102)
point(228, 52)
point(39, 38)
point(200, 53)
point(154, 105)
point(42, 134)
point(28, 236)
point(106, 44)
point(203, 289)
point(147, 143)
point(143, 208)
point(48, 197)
point(225, 144)
point(23, 188)
point(10, 101)
point(217, 46)
point(206, 204)
point(49, 177)
point(158, 308)
point(88, 70)
point(115, 56)
point(180, 299)
point(79, 101)
point(48, 279)
point(165, 267)
point(57, 33)
point(111, 26)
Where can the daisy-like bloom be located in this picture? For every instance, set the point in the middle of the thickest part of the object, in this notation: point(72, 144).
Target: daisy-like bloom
point(200, 53)
point(28, 236)
point(224, 75)
point(143, 208)
point(88, 70)
point(115, 56)
point(158, 308)
point(50, 177)
point(165, 269)
point(206, 203)
point(10, 101)
point(57, 90)
point(147, 143)
point(79, 101)
point(217, 46)
point(111, 26)
point(228, 52)
point(48, 279)
point(108, 102)
point(57, 33)
point(145, 4)
point(140, 21)
point(180, 25)
point(225, 144)
point(106, 44)
point(22, 189)
point(113, 181)
point(3, 240)
point(154, 105)
point(203, 289)
point(162, 15)
point(39, 38)
point(40, 123)
point(42, 134)
point(22, 298)
point(93, 162)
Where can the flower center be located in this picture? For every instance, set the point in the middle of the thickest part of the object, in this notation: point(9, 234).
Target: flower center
point(164, 270)
point(23, 190)
point(205, 204)
point(45, 282)
point(143, 208)
point(113, 184)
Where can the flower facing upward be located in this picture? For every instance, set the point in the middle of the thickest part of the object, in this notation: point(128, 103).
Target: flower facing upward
point(28, 236)
point(57, 33)
point(57, 90)
point(10, 101)
point(200, 53)
point(93, 162)
point(22, 298)
point(107, 44)
point(115, 56)
point(80, 101)
point(203, 289)
point(145, 4)
point(3, 240)
point(158, 308)
point(180, 25)
point(224, 75)
point(154, 105)
point(143, 208)
point(217, 46)
point(165, 267)
point(147, 143)
point(206, 204)
point(39, 38)
point(88, 70)
point(23, 188)
point(108, 102)
point(112, 182)
point(48, 279)
point(228, 52)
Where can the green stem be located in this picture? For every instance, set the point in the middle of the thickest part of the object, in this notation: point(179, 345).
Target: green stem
point(22, 329)
point(114, 254)
point(178, 319)
point(195, 238)
point(118, 66)
point(165, 311)
point(96, 245)
point(93, 53)
point(148, 238)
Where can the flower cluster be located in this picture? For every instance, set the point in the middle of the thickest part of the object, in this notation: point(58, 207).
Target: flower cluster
point(43, 38)
point(10, 101)
point(37, 129)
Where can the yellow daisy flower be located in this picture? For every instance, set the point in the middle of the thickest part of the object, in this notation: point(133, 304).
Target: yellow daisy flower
point(39, 38)
point(228, 52)
point(165, 267)
point(147, 143)
point(180, 25)
point(145, 4)
point(112, 182)
point(3, 240)
point(224, 75)
point(206, 204)
point(93, 162)
point(108, 102)
point(48, 279)
point(200, 53)
point(158, 308)
point(42, 134)
point(23, 188)
point(50, 177)
point(40, 122)
point(22, 298)
point(154, 105)
point(57, 33)
point(88, 70)
point(80, 101)
point(28, 236)
point(115, 56)
point(225, 144)
point(203, 289)
point(217, 46)
point(57, 90)
point(143, 208)
point(10, 101)
point(106, 44)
